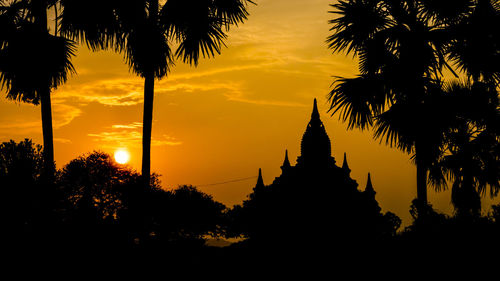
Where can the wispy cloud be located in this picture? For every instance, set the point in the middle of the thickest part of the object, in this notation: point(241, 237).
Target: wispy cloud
point(62, 140)
point(29, 124)
point(129, 136)
point(116, 92)
point(133, 125)
point(240, 97)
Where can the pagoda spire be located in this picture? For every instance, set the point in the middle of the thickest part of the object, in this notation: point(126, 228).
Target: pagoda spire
point(260, 181)
point(369, 187)
point(286, 163)
point(315, 112)
point(345, 166)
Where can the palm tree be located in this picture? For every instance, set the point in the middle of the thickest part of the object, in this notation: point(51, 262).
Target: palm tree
point(401, 47)
point(33, 62)
point(475, 49)
point(143, 31)
point(470, 157)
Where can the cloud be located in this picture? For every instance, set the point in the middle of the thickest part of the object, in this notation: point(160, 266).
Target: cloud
point(239, 97)
point(63, 114)
point(27, 121)
point(62, 140)
point(124, 91)
point(206, 73)
point(129, 136)
point(133, 125)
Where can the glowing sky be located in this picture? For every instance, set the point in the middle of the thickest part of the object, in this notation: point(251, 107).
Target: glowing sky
point(226, 118)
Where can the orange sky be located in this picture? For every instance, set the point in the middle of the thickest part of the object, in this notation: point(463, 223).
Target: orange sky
point(226, 118)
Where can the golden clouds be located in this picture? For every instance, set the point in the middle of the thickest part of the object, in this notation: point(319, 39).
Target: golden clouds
point(113, 92)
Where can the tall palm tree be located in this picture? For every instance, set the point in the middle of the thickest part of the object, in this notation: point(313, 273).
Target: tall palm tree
point(401, 47)
point(143, 31)
point(33, 62)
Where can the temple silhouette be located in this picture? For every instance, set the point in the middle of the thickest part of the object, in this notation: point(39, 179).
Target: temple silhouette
point(313, 200)
point(316, 160)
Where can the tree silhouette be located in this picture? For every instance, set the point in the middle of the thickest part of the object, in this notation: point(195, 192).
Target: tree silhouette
point(144, 30)
point(470, 156)
point(403, 48)
point(476, 44)
point(33, 62)
point(29, 205)
point(108, 204)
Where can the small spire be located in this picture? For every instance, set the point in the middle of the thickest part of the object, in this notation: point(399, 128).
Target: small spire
point(345, 166)
point(315, 113)
point(260, 181)
point(369, 187)
point(286, 162)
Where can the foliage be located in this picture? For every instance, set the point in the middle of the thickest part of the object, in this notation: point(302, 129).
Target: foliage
point(20, 162)
point(403, 49)
point(469, 157)
point(31, 59)
point(93, 181)
point(28, 204)
point(100, 191)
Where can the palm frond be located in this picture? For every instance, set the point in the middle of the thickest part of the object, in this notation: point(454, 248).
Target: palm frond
point(32, 61)
point(475, 50)
point(447, 11)
point(358, 100)
point(437, 176)
point(147, 49)
point(231, 12)
point(93, 22)
point(355, 22)
point(396, 127)
point(196, 26)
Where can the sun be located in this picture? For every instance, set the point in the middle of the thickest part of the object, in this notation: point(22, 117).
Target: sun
point(122, 156)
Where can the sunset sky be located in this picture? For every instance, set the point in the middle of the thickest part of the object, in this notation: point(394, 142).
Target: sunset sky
point(226, 118)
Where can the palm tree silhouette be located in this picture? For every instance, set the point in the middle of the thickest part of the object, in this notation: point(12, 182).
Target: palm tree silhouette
point(143, 31)
point(471, 151)
point(401, 50)
point(33, 62)
point(475, 50)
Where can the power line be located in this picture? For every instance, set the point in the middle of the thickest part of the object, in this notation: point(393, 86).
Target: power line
point(229, 181)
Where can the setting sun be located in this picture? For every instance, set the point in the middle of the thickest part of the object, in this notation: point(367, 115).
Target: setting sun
point(122, 156)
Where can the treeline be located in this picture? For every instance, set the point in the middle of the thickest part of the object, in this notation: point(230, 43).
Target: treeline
point(95, 202)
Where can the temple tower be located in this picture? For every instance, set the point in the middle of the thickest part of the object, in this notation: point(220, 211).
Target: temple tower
point(315, 146)
point(260, 181)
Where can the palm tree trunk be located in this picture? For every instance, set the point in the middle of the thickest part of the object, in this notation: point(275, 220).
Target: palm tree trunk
point(48, 139)
point(149, 93)
point(40, 14)
point(147, 121)
point(421, 175)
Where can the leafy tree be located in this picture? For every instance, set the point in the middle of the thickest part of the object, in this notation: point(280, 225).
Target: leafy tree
point(92, 186)
point(109, 202)
point(28, 206)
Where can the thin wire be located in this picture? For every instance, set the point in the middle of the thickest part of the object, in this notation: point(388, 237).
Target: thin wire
point(230, 181)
